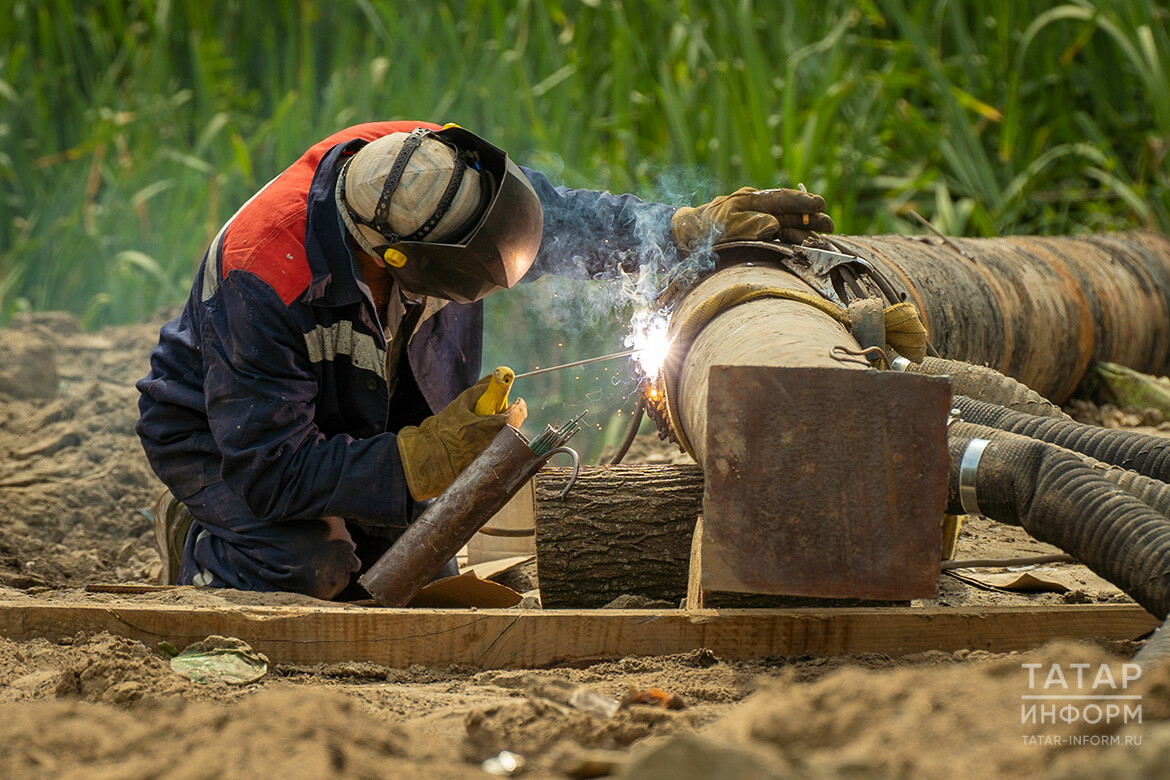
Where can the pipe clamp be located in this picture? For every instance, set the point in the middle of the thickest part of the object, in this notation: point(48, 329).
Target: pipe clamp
point(968, 469)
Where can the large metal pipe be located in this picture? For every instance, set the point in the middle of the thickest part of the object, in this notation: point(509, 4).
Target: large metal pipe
point(765, 331)
point(823, 477)
point(1042, 310)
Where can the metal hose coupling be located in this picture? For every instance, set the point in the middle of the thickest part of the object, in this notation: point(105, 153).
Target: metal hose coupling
point(968, 471)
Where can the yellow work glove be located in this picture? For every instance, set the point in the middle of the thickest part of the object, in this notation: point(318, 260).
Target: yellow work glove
point(434, 452)
point(749, 214)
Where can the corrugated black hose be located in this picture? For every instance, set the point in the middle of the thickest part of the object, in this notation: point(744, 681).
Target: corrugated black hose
point(984, 384)
point(1057, 498)
point(1145, 454)
point(1154, 493)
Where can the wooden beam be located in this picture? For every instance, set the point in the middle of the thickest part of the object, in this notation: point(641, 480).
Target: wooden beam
point(837, 491)
point(498, 639)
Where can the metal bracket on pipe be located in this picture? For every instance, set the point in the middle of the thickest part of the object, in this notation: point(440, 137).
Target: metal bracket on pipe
point(823, 261)
point(821, 265)
point(818, 268)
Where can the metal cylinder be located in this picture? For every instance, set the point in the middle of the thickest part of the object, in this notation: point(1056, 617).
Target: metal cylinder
point(452, 519)
point(823, 477)
point(1040, 309)
point(760, 332)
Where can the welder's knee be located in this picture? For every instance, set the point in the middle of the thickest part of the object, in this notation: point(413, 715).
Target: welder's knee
point(321, 569)
point(227, 547)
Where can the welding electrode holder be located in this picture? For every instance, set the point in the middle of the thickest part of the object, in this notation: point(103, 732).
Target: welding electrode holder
point(452, 519)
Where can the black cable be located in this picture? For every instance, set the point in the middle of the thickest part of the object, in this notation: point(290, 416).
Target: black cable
point(631, 434)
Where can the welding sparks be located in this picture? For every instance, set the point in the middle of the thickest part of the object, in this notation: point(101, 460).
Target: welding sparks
point(650, 340)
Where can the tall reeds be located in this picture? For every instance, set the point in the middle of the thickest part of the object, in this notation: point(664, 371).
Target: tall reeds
point(130, 129)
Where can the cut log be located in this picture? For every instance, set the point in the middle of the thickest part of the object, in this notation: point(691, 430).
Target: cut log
point(620, 530)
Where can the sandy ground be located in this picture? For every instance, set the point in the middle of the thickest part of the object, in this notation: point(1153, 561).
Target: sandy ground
point(75, 498)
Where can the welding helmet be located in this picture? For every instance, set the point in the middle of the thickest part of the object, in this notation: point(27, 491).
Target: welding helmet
point(448, 213)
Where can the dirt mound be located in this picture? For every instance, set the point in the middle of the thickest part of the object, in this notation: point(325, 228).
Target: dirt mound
point(961, 720)
point(74, 482)
point(102, 706)
point(282, 732)
point(537, 726)
point(101, 668)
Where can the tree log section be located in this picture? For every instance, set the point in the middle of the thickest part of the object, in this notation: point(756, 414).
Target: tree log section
point(621, 529)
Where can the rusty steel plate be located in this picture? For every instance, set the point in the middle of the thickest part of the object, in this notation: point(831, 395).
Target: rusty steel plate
point(824, 482)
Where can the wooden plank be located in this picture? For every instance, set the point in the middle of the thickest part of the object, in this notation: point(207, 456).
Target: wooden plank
point(823, 482)
point(697, 598)
point(694, 571)
point(497, 639)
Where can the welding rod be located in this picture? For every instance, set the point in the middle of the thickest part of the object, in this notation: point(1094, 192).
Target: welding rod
point(615, 355)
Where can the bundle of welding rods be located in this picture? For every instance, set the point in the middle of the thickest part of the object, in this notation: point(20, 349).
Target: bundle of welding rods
point(556, 437)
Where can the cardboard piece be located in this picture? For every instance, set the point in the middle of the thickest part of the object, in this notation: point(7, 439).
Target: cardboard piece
point(1046, 580)
point(1011, 581)
point(465, 590)
point(489, 569)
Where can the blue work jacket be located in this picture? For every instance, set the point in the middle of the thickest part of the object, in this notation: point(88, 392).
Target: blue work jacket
point(273, 377)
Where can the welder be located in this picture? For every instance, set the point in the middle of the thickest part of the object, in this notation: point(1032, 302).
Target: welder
point(320, 383)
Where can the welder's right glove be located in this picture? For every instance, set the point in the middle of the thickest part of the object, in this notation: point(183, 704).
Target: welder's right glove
point(749, 214)
point(434, 452)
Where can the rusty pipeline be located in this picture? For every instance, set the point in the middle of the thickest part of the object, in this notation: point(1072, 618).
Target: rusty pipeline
point(744, 388)
point(452, 519)
point(1039, 309)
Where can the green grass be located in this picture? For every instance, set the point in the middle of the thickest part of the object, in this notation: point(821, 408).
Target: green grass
point(130, 129)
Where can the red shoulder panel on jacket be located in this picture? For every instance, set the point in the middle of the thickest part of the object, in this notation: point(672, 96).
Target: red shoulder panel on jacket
point(267, 236)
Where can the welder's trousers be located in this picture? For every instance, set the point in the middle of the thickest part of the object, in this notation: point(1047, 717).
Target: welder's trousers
point(229, 547)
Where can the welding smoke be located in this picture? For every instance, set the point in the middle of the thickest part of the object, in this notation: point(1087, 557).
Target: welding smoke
point(646, 266)
point(586, 297)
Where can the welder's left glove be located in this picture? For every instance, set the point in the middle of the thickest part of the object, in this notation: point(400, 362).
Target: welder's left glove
point(434, 452)
point(749, 214)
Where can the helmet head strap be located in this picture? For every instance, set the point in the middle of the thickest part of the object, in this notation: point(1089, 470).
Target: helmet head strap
point(381, 218)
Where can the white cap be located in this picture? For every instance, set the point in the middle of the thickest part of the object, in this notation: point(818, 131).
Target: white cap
point(423, 181)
